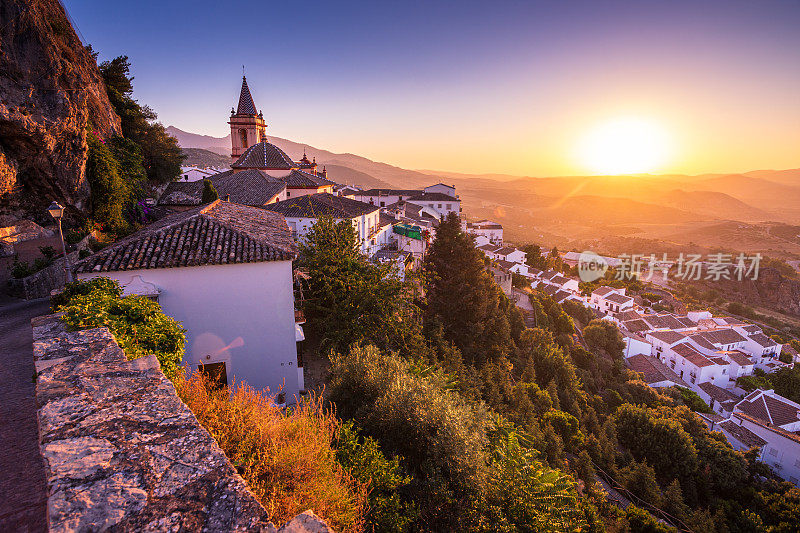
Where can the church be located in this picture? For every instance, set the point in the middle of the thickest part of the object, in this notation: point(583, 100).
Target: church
point(250, 149)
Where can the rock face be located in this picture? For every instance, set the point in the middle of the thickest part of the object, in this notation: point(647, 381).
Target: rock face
point(50, 92)
point(771, 290)
point(123, 453)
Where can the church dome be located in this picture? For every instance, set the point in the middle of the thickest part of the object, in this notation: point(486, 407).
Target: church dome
point(265, 156)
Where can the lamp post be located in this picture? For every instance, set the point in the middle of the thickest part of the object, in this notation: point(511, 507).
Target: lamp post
point(56, 210)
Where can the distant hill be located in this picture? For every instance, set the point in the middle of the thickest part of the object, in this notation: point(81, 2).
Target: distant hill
point(205, 158)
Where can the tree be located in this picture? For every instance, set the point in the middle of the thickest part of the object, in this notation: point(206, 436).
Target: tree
point(604, 335)
point(209, 192)
point(162, 156)
point(534, 257)
point(349, 299)
point(463, 298)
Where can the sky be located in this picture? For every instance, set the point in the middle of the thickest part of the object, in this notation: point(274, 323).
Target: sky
point(476, 87)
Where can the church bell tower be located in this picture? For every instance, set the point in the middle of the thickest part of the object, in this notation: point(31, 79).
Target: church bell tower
point(247, 124)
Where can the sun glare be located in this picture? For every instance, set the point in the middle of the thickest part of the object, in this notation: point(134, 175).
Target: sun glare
point(625, 146)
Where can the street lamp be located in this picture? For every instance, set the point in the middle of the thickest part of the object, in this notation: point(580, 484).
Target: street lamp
point(56, 211)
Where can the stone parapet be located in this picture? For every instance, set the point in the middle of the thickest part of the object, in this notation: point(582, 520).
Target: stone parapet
point(122, 451)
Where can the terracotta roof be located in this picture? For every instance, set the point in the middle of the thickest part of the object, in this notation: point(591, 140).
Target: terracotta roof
point(653, 370)
point(770, 409)
point(489, 248)
point(628, 314)
point(742, 434)
point(752, 328)
point(739, 357)
point(766, 425)
point(720, 336)
point(763, 340)
point(665, 321)
point(508, 265)
point(602, 291)
point(505, 250)
point(618, 298)
point(391, 192)
point(560, 295)
point(246, 104)
point(550, 290)
point(247, 187)
point(689, 353)
point(636, 326)
point(718, 393)
point(321, 204)
point(433, 197)
point(264, 155)
point(303, 180)
point(670, 337)
point(559, 280)
point(213, 234)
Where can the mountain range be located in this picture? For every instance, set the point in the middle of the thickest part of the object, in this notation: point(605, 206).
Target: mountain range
point(671, 209)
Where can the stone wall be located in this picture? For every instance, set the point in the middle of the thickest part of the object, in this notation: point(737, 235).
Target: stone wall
point(40, 284)
point(122, 451)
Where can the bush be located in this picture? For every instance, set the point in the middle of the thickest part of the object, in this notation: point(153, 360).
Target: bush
point(21, 269)
point(693, 401)
point(138, 323)
point(286, 457)
point(48, 252)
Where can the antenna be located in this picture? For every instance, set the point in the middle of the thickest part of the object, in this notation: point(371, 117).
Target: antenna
point(243, 71)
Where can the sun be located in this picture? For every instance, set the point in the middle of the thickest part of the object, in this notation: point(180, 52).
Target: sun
point(626, 145)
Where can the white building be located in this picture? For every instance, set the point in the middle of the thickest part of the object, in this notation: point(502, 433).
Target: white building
point(303, 212)
point(224, 271)
point(492, 232)
point(776, 420)
point(197, 174)
point(510, 254)
point(439, 198)
point(610, 300)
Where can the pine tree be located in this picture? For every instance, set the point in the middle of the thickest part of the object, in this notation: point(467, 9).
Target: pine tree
point(209, 192)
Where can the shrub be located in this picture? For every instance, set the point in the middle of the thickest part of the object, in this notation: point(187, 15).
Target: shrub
point(21, 269)
point(693, 401)
point(209, 192)
point(286, 457)
point(138, 324)
point(48, 252)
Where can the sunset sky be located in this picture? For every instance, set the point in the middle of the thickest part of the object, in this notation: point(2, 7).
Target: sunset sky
point(528, 88)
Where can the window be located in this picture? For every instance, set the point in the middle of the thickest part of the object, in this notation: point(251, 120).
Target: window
point(724, 370)
point(383, 204)
point(288, 194)
point(449, 206)
point(438, 206)
point(243, 137)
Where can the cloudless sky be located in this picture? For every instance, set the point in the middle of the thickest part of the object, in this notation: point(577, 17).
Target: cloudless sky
point(491, 86)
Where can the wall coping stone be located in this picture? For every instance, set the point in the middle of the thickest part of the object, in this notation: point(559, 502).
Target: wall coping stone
point(123, 452)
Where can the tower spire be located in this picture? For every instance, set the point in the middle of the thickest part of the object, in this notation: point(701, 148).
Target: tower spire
point(246, 104)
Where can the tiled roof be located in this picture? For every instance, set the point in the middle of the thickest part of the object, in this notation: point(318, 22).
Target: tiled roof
point(321, 204)
point(390, 192)
point(691, 355)
point(550, 290)
point(763, 340)
point(752, 328)
point(618, 298)
point(246, 104)
point(508, 265)
point(742, 434)
point(653, 370)
point(505, 250)
point(770, 409)
point(775, 429)
point(665, 321)
point(636, 326)
point(298, 179)
point(213, 234)
point(739, 357)
point(247, 187)
point(433, 197)
point(629, 314)
point(559, 280)
point(718, 393)
point(489, 248)
point(720, 336)
point(670, 337)
point(182, 193)
point(602, 291)
point(560, 295)
point(264, 155)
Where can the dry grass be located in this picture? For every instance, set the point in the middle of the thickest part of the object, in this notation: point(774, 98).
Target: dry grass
point(285, 457)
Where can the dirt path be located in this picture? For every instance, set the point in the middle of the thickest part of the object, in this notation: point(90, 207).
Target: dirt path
point(23, 492)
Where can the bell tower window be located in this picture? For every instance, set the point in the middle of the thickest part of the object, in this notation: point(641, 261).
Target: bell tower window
point(243, 138)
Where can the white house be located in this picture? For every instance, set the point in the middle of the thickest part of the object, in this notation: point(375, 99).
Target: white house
point(486, 229)
point(189, 174)
point(775, 420)
point(449, 190)
point(304, 211)
point(654, 372)
point(224, 271)
point(443, 203)
point(610, 300)
point(510, 254)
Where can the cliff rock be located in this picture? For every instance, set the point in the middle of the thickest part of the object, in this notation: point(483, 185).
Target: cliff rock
point(50, 91)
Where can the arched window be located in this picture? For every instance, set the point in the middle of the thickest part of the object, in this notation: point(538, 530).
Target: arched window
point(243, 137)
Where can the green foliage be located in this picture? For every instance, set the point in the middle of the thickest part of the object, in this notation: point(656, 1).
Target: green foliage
point(160, 154)
point(693, 401)
point(604, 335)
point(363, 459)
point(138, 323)
point(534, 257)
point(110, 193)
point(462, 297)
point(209, 192)
point(349, 299)
point(48, 252)
point(519, 281)
point(641, 521)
